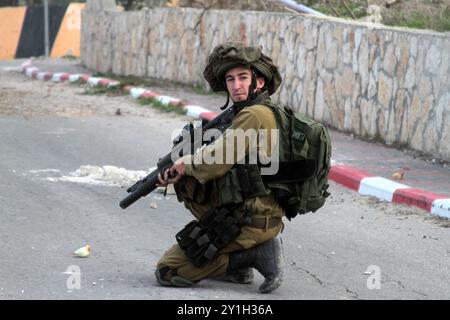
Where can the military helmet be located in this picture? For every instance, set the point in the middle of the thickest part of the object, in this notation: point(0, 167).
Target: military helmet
point(229, 55)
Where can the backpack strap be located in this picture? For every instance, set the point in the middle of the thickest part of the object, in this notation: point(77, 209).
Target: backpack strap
point(288, 171)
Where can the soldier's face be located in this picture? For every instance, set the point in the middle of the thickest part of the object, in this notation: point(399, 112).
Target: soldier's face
point(238, 81)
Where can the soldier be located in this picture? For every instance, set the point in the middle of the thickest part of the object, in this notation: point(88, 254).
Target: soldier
point(249, 77)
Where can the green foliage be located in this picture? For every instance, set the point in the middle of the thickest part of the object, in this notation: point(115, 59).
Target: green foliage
point(410, 14)
point(97, 90)
point(64, 2)
point(162, 107)
point(135, 81)
point(338, 8)
point(130, 80)
point(30, 3)
point(421, 20)
point(70, 57)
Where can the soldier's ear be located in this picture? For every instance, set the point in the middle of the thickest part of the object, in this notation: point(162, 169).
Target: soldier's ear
point(260, 82)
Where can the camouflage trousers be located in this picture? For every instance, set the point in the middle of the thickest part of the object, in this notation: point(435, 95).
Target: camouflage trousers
point(199, 198)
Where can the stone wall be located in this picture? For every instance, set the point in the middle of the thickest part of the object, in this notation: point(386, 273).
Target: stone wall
point(382, 83)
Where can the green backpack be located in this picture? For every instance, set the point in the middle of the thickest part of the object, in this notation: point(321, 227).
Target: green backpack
point(305, 146)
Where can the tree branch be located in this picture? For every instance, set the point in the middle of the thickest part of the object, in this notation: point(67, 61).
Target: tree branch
point(351, 12)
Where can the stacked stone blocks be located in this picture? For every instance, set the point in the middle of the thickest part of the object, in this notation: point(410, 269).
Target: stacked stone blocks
point(382, 83)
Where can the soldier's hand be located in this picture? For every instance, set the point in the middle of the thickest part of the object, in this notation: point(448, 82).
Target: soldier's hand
point(177, 171)
point(172, 175)
point(163, 180)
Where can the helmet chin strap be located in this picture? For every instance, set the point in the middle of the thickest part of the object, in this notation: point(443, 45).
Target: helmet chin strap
point(226, 103)
point(251, 90)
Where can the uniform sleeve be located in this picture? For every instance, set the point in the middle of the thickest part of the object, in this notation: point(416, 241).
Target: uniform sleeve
point(214, 160)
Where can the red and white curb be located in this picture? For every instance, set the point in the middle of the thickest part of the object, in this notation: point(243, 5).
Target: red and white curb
point(389, 190)
point(135, 92)
point(350, 177)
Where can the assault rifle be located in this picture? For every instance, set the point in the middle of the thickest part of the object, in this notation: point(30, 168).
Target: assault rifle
point(185, 141)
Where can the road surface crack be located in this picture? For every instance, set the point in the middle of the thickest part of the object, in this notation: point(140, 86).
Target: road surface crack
point(403, 287)
point(312, 275)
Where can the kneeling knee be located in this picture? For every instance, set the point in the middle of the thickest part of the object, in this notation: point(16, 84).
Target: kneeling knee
point(169, 278)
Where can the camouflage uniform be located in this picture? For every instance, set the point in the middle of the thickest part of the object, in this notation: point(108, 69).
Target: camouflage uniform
point(197, 189)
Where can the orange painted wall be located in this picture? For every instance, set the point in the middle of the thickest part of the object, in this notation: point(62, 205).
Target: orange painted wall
point(11, 20)
point(67, 40)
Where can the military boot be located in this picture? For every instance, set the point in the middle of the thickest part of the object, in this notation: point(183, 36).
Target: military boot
point(266, 258)
point(242, 276)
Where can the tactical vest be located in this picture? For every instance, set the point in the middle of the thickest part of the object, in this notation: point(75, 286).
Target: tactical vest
point(301, 183)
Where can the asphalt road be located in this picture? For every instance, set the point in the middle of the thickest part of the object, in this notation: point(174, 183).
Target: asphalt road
point(328, 255)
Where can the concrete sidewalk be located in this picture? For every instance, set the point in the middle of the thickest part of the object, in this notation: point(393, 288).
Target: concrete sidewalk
point(369, 168)
point(384, 161)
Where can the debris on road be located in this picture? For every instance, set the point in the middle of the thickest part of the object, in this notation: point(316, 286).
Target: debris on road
point(398, 175)
point(110, 176)
point(83, 252)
